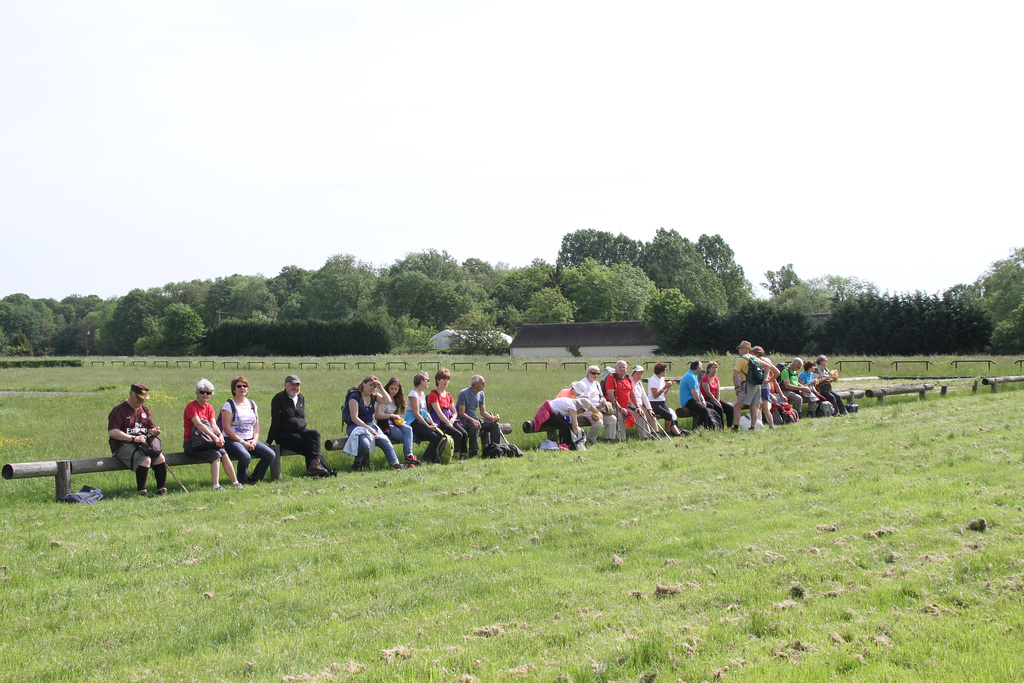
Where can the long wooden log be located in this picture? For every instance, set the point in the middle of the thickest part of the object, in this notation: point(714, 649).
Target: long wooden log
point(1012, 378)
point(49, 468)
point(339, 444)
point(881, 392)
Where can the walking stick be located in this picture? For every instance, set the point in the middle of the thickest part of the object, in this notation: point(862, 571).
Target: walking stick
point(175, 477)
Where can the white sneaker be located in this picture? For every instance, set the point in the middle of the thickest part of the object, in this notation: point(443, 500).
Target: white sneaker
point(237, 485)
point(218, 487)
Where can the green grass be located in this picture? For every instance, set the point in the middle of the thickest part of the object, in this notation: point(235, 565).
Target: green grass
point(833, 548)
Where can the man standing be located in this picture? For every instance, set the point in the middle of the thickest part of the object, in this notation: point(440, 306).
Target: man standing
point(288, 427)
point(691, 398)
point(748, 392)
point(469, 401)
point(134, 440)
point(790, 380)
point(770, 374)
point(618, 390)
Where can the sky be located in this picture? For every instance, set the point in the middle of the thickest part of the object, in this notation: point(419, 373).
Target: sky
point(143, 143)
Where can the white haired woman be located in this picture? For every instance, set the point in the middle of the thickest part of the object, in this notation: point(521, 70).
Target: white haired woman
point(203, 438)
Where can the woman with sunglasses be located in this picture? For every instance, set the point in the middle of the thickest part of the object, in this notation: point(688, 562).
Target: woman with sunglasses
point(241, 422)
point(601, 413)
point(200, 417)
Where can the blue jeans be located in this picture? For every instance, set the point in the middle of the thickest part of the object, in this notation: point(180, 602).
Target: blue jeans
point(402, 434)
point(262, 451)
point(366, 445)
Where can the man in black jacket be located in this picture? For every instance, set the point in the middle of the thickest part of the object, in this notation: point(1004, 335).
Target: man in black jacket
point(288, 428)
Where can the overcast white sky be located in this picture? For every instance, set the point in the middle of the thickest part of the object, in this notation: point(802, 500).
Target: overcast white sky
point(149, 142)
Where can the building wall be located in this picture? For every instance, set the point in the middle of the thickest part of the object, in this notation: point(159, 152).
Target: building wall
point(604, 352)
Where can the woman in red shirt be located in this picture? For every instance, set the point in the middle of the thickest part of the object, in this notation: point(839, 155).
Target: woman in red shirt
point(200, 416)
point(441, 407)
point(710, 390)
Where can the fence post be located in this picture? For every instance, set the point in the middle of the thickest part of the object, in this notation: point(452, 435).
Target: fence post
point(62, 479)
point(275, 467)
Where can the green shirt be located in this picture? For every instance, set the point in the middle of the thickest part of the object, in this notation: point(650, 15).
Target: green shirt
point(791, 376)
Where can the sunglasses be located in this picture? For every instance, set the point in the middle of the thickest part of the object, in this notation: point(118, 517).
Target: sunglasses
point(593, 373)
point(205, 392)
point(241, 386)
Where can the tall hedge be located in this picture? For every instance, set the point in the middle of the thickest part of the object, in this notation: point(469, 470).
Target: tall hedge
point(907, 324)
point(299, 338)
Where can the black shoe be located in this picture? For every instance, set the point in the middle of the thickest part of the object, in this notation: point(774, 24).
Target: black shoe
point(317, 470)
point(251, 482)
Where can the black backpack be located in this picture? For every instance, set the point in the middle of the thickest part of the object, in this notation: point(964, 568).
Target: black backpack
point(346, 417)
point(501, 450)
point(755, 373)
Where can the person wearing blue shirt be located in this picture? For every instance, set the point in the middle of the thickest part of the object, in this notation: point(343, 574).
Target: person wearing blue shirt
point(691, 398)
point(469, 401)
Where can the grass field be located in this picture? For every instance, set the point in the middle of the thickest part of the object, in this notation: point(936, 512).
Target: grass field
point(835, 548)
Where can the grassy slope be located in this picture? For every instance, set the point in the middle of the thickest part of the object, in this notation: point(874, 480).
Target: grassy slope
point(833, 547)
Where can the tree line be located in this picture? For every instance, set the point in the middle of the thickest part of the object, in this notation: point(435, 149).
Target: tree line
point(692, 294)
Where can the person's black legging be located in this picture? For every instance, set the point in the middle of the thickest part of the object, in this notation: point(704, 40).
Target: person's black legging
point(424, 433)
point(662, 411)
point(723, 408)
point(458, 434)
point(833, 398)
point(564, 428)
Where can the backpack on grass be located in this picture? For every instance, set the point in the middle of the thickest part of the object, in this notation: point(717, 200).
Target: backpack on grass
point(501, 450)
point(446, 450)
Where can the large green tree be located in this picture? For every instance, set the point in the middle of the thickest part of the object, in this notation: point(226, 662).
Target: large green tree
point(182, 330)
point(1002, 285)
point(603, 247)
point(343, 286)
point(671, 260)
point(665, 316)
point(548, 306)
point(719, 257)
point(134, 314)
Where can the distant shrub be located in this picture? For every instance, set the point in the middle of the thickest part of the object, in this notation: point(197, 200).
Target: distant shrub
point(300, 337)
point(42, 363)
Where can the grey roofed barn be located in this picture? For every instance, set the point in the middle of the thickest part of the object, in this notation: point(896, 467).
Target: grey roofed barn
point(623, 338)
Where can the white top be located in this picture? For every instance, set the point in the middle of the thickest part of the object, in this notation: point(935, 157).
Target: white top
point(639, 396)
point(244, 417)
point(594, 392)
point(655, 383)
point(563, 405)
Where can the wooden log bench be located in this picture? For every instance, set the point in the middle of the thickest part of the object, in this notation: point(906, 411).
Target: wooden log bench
point(994, 382)
point(339, 444)
point(881, 392)
point(61, 470)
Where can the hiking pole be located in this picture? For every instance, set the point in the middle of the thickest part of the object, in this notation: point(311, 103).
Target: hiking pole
point(641, 422)
point(175, 476)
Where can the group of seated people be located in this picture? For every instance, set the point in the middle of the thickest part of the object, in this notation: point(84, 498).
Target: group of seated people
point(380, 416)
point(619, 399)
point(376, 415)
